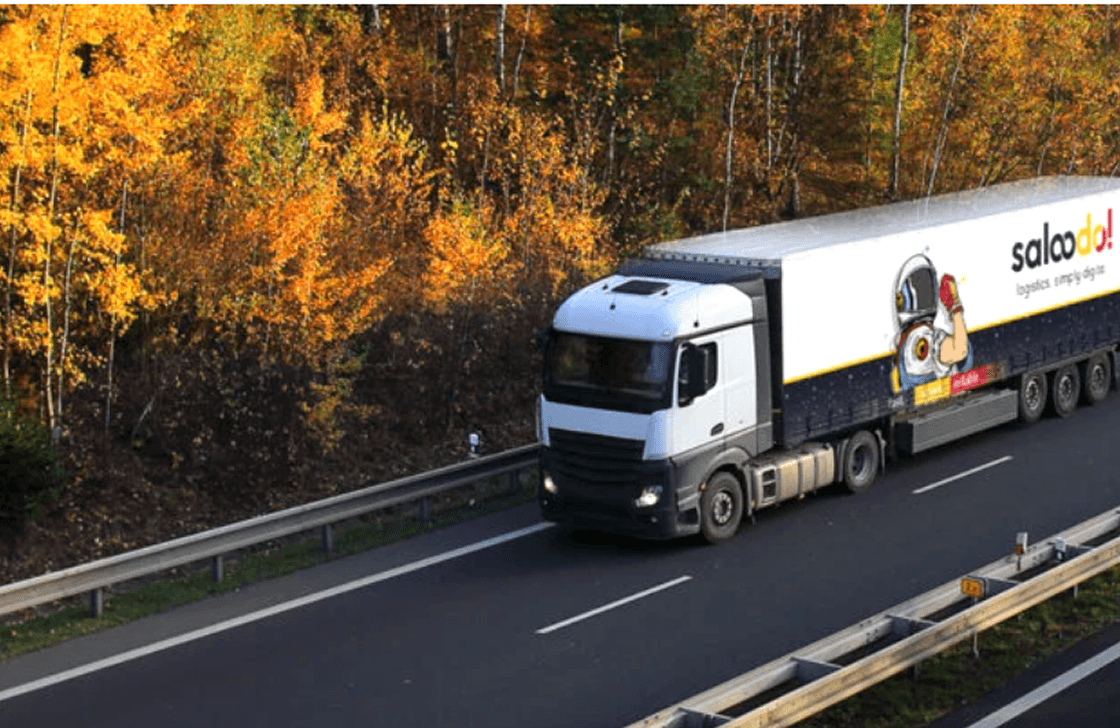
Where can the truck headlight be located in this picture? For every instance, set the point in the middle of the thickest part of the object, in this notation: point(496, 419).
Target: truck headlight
point(650, 495)
point(549, 484)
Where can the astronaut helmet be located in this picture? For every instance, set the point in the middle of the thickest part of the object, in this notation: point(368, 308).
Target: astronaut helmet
point(915, 291)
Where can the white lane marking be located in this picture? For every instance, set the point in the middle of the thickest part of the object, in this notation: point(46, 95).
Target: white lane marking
point(958, 476)
point(1043, 692)
point(612, 605)
point(266, 613)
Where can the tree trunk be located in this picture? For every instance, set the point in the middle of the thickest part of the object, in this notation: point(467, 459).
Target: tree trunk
point(9, 280)
point(113, 321)
point(445, 53)
point(943, 132)
point(896, 144)
point(792, 166)
point(64, 344)
point(608, 174)
point(448, 49)
point(500, 50)
point(371, 18)
point(521, 52)
point(48, 389)
point(730, 155)
point(1049, 131)
point(769, 93)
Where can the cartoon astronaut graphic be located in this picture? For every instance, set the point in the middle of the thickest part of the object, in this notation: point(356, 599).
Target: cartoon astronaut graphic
point(932, 341)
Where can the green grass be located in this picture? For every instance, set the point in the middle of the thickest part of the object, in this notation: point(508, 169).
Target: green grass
point(956, 677)
point(72, 618)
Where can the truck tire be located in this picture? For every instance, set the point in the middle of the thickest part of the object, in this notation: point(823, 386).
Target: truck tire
point(1032, 396)
point(1097, 378)
point(861, 462)
point(721, 507)
point(1066, 390)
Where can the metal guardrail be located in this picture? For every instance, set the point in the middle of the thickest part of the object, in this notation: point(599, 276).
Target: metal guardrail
point(96, 575)
point(843, 664)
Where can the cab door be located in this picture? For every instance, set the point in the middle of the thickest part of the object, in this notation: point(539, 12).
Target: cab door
point(698, 398)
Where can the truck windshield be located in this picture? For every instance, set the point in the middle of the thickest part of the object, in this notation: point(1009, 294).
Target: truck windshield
point(595, 371)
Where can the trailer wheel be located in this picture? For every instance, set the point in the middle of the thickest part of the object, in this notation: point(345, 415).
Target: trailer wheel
point(1032, 397)
point(721, 507)
point(1067, 388)
point(1097, 379)
point(861, 461)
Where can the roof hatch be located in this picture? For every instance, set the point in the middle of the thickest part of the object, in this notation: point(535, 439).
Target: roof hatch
point(639, 287)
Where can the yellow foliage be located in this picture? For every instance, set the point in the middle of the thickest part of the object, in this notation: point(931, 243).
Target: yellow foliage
point(284, 176)
point(467, 263)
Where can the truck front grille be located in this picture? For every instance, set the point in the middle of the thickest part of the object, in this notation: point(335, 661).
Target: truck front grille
point(594, 458)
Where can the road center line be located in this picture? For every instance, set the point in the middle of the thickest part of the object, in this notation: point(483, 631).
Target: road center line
point(1016, 708)
point(958, 476)
point(265, 613)
point(612, 605)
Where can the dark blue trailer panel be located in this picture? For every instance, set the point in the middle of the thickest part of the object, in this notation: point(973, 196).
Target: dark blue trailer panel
point(827, 405)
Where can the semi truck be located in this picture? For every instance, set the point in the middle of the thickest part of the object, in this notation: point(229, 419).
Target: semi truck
point(721, 374)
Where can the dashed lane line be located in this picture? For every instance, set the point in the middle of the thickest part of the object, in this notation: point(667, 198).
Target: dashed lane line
point(958, 476)
point(613, 605)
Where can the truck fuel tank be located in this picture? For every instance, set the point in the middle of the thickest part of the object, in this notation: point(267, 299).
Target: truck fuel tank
point(779, 476)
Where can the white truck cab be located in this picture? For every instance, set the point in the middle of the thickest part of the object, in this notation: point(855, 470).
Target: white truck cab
point(649, 380)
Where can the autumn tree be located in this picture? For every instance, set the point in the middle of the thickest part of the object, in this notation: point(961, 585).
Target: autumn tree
point(83, 117)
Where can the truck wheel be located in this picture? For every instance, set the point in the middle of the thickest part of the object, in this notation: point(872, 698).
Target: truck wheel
point(721, 508)
point(1067, 388)
point(861, 462)
point(1032, 397)
point(1098, 377)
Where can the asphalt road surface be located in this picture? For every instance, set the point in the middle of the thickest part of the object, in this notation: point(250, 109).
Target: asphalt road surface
point(549, 629)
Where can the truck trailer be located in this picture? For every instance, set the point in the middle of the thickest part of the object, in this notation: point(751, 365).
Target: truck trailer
point(724, 373)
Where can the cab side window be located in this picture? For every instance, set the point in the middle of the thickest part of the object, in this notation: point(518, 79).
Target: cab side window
point(699, 363)
point(710, 366)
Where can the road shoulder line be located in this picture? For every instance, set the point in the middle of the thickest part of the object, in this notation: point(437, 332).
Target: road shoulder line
point(1049, 689)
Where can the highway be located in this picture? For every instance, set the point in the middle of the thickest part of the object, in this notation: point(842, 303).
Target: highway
point(550, 629)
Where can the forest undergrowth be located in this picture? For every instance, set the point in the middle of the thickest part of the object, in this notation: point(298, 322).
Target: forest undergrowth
point(199, 441)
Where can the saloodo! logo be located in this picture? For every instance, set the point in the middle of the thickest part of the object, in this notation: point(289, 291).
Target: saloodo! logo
point(1061, 246)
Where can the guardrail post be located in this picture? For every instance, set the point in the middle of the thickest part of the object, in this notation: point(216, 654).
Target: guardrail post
point(425, 514)
point(96, 603)
point(514, 482)
point(217, 568)
point(326, 536)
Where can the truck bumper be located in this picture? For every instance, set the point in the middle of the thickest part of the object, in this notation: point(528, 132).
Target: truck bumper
point(607, 504)
point(650, 523)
